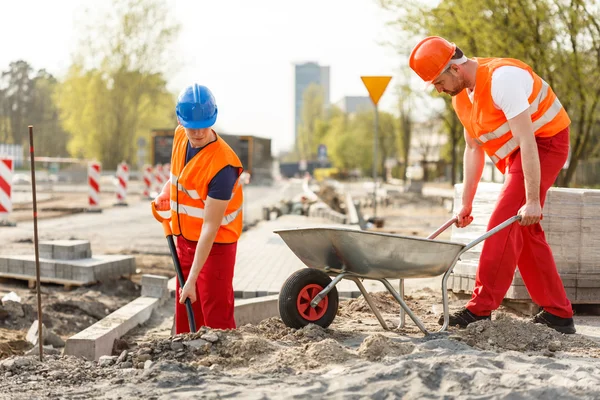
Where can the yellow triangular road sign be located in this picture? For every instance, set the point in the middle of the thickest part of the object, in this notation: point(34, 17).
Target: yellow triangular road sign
point(376, 85)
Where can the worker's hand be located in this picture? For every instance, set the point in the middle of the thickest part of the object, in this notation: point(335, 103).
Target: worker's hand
point(188, 291)
point(531, 213)
point(163, 201)
point(464, 218)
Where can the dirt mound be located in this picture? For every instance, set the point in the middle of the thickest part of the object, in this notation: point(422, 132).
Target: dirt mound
point(384, 301)
point(375, 347)
point(328, 351)
point(270, 328)
point(506, 333)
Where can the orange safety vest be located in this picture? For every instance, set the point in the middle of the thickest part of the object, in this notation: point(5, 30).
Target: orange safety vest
point(189, 189)
point(488, 125)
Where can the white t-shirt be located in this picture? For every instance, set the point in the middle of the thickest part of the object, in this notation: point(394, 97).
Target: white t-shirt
point(511, 88)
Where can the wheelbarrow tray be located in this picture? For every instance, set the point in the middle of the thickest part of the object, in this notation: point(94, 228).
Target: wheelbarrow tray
point(372, 255)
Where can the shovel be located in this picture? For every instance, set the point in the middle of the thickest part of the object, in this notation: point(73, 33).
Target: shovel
point(169, 234)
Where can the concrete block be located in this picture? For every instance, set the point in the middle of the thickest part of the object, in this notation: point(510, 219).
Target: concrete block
point(155, 286)
point(3, 265)
point(252, 311)
point(98, 339)
point(47, 269)
point(83, 273)
point(587, 295)
point(29, 267)
point(63, 271)
point(15, 266)
point(66, 249)
point(46, 253)
point(517, 293)
point(584, 282)
point(172, 284)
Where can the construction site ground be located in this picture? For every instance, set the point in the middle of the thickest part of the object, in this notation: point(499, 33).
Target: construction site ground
point(354, 358)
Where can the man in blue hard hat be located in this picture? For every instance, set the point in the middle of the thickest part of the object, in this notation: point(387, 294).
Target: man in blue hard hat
point(205, 199)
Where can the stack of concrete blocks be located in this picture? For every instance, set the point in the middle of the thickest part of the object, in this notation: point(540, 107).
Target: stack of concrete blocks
point(571, 221)
point(67, 262)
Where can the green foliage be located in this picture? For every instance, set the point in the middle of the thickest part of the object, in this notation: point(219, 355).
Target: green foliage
point(115, 91)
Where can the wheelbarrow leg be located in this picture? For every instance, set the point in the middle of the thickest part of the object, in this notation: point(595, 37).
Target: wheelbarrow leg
point(399, 299)
point(445, 301)
point(324, 292)
point(370, 303)
point(402, 312)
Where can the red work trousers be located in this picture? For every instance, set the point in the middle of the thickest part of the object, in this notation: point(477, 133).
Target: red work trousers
point(214, 303)
point(522, 245)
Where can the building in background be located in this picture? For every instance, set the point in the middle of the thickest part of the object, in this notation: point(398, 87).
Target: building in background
point(304, 75)
point(353, 104)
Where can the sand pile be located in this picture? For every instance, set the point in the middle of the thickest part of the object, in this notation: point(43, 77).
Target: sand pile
point(506, 333)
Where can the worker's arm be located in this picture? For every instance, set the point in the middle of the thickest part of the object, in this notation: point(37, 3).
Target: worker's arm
point(474, 160)
point(522, 130)
point(214, 211)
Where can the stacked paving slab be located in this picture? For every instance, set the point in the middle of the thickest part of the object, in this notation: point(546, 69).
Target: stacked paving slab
point(68, 262)
point(572, 225)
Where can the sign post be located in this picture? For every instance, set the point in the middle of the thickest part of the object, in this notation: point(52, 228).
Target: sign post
point(375, 85)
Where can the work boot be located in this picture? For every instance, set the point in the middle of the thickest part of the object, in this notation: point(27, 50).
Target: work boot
point(463, 318)
point(562, 325)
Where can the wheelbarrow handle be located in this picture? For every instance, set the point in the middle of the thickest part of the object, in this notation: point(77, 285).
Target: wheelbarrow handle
point(491, 232)
point(442, 228)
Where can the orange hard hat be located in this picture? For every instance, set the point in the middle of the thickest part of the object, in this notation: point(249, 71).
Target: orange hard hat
point(430, 57)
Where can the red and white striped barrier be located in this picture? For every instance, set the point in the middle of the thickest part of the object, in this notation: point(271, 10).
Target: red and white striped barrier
point(94, 169)
point(122, 181)
point(148, 180)
point(159, 178)
point(6, 175)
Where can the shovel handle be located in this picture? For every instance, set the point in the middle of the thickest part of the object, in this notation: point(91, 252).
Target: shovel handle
point(181, 279)
point(166, 222)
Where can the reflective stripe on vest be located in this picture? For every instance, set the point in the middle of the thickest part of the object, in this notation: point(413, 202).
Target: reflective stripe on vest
point(191, 193)
point(512, 144)
point(197, 212)
point(505, 128)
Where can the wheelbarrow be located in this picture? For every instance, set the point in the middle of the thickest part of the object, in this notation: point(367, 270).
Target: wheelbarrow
point(309, 294)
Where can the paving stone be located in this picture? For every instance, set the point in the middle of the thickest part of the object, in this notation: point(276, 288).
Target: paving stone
point(15, 266)
point(155, 286)
point(97, 340)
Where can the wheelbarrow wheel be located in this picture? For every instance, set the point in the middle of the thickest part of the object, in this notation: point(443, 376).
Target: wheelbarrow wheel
point(296, 294)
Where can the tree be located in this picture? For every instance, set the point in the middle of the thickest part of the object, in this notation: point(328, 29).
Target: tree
point(115, 91)
point(28, 99)
point(311, 128)
point(50, 137)
point(16, 93)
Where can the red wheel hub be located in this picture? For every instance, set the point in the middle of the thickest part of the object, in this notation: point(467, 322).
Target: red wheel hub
point(305, 296)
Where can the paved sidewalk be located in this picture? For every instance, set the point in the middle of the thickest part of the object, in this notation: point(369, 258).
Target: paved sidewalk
point(264, 262)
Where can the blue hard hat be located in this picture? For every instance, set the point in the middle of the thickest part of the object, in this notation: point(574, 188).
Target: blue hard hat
point(196, 107)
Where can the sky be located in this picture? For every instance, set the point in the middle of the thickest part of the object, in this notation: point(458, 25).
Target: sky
point(243, 50)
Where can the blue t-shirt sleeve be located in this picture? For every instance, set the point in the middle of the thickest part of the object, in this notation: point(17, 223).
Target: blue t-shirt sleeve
point(221, 186)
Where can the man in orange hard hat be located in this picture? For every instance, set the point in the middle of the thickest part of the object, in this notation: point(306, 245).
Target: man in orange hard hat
point(512, 115)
